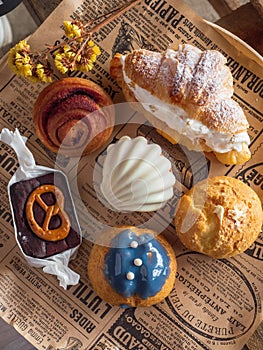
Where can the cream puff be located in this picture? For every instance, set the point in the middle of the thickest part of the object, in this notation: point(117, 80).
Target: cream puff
point(220, 217)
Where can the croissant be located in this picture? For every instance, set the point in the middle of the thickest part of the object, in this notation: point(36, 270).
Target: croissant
point(73, 116)
point(186, 94)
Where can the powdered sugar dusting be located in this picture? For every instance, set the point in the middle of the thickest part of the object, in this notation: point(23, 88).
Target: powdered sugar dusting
point(237, 215)
point(187, 60)
point(207, 80)
point(225, 115)
point(144, 62)
point(197, 81)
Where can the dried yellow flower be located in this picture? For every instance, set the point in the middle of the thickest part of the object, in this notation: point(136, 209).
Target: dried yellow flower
point(11, 61)
point(91, 43)
point(64, 59)
point(73, 54)
point(43, 73)
point(95, 49)
point(23, 64)
point(68, 50)
point(93, 57)
point(22, 46)
point(73, 29)
point(19, 60)
point(60, 59)
point(84, 67)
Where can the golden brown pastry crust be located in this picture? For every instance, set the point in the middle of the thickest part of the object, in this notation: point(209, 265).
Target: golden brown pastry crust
point(73, 108)
point(107, 293)
point(196, 81)
point(220, 217)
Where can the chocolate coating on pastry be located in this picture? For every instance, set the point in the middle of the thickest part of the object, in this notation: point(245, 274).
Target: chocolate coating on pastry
point(220, 217)
point(31, 244)
point(69, 116)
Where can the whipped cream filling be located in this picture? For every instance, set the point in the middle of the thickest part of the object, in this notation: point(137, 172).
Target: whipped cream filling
point(219, 211)
point(176, 118)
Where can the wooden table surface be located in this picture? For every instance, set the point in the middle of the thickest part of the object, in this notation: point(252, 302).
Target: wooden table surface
point(39, 10)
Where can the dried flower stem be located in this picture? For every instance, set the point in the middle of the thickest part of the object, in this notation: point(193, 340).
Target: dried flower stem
point(113, 14)
point(110, 16)
point(80, 50)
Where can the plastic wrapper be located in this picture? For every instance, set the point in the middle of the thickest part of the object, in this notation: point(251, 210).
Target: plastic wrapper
point(52, 254)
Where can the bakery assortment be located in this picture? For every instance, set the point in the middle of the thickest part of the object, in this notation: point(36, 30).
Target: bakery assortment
point(220, 217)
point(44, 215)
point(138, 269)
point(187, 95)
point(136, 176)
point(73, 116)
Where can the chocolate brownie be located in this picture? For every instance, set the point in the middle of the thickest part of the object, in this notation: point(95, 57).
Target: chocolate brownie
point(30, 243)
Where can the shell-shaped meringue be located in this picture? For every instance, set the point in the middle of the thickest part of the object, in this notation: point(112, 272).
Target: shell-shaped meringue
point(136, 176)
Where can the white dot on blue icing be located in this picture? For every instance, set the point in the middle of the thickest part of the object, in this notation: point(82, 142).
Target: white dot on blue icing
point(130, 275)
point(149, 274)
point(137, 262)
point(134, 244)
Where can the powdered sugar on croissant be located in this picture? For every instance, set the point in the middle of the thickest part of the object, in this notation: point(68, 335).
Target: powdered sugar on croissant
point(187, 95)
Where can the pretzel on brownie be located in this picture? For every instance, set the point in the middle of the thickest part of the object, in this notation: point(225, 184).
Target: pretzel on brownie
point(43, 230)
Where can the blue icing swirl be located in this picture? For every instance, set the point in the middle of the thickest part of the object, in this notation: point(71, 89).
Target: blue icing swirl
point(152, 273)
